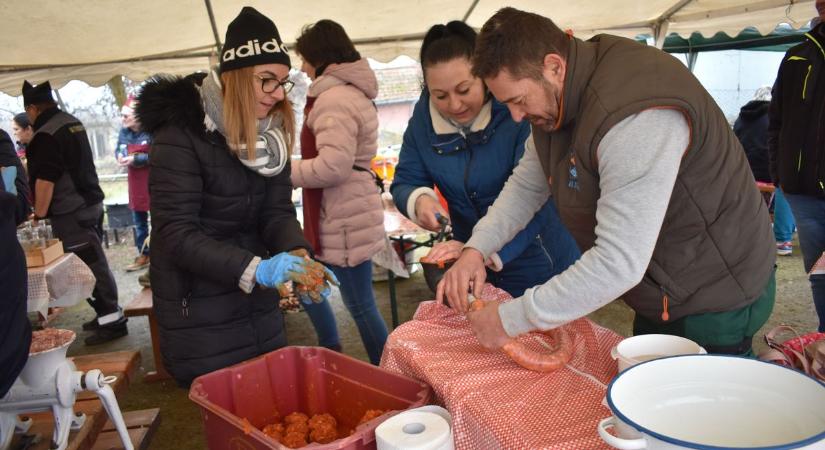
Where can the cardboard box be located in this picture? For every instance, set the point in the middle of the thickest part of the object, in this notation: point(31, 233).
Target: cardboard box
point(41, 256)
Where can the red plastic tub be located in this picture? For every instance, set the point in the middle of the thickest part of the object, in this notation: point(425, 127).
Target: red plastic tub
point(311, 380)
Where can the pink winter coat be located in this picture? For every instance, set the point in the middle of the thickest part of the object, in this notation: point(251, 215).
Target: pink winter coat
point(345, 124)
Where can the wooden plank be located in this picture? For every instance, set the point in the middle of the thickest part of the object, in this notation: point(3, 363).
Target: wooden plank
point(141, 304)
point(143, 418)
point(82, 439)
point(141, 426)
point(110, 440)
point(126, 362)
point(160, 372)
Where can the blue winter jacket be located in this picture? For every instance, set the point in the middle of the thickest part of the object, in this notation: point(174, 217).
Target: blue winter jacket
point(470, 171)
point(128, 137)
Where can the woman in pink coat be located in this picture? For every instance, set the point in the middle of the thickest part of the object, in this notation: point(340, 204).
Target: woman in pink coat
point(343, 214)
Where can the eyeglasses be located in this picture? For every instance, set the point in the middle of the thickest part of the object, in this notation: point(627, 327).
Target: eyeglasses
point(270, 85)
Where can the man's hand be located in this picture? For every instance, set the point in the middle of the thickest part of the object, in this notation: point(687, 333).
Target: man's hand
point(124, 161)
point(487, 327)
point(456, 282)
point(426, 208)
point(444, 251)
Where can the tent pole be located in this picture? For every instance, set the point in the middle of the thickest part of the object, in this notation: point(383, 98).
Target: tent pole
point(214, 26)
point(60, 100)
point(662, 23)
point(469, 11)
point(660, 33)
point(691, 60)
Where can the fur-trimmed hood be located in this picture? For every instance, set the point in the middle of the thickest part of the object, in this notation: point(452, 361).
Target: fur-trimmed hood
point(167, 100)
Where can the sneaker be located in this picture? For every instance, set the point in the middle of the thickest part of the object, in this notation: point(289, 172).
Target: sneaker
point(141, 262)
point(91, 325)
point(144, 281)
point(784, 248)
point(106, 333)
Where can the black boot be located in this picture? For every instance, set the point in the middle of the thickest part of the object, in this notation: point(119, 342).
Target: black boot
point(91, 325)
point(108, 332)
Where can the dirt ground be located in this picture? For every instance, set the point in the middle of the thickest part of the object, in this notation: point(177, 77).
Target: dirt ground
point(181, 427)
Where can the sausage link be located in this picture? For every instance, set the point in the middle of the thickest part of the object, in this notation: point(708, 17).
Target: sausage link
point(532, 360)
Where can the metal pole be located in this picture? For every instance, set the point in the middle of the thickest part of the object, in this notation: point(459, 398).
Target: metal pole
point(213, 24)
point(469, 11)
point(60, 100)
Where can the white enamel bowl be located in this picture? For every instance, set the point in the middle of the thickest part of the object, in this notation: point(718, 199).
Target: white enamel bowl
point(715, 402)
point(644, 347)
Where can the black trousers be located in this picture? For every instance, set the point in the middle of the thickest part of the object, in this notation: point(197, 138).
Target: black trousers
point(81, 233)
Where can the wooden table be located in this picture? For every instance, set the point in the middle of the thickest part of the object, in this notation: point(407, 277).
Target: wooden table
point(141, 305)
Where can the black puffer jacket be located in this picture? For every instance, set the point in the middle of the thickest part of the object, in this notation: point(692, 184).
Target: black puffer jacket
point(751, 127)
point(796, 134)
point(15, 330)
point(210, 216)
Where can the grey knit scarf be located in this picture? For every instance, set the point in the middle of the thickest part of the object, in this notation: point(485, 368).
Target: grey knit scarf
point(271, 152)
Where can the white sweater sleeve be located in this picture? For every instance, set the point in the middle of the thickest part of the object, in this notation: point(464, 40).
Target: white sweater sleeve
point(638, 162)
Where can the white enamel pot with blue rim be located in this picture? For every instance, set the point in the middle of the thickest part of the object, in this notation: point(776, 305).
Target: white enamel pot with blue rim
point(714, 402)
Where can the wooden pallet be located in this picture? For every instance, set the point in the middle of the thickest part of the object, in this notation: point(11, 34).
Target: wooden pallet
point(123, 365)
point(141, 426)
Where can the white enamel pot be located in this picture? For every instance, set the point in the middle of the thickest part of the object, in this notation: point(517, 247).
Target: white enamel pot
point(644, 347)
point(715, 402)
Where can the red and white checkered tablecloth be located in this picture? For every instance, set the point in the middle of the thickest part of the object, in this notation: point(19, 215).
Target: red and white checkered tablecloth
point(494, 402)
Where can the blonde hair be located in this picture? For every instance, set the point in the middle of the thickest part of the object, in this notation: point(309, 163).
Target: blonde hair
point(239, 119)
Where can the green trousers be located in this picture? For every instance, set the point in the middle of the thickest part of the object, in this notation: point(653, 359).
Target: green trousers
point(729, 332)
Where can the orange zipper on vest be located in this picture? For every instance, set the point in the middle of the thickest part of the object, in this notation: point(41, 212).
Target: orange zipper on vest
point(665, 314)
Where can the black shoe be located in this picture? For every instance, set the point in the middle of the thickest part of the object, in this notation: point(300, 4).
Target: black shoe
point(106, 333)
point(91, 325)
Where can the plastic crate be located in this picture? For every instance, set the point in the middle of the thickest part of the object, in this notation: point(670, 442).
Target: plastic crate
point(311, 380)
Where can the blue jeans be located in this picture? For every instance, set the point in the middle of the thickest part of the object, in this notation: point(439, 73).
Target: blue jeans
point(783, 223)
point(356, 291)
point(323, 320)
point(141, 230)
point(809, 213)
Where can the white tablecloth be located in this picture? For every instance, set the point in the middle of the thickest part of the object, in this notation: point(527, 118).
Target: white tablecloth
point(63, 282)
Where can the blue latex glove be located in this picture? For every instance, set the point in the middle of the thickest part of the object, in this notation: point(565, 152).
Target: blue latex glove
point(277, 269)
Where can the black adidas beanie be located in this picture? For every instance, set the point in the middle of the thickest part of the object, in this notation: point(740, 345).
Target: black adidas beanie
point(252, 39)
point(42, 93)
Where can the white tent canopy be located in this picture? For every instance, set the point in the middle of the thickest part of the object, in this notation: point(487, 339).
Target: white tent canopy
point(94, 41)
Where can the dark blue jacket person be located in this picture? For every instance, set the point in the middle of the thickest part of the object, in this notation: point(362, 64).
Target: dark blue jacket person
point(464, 142)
